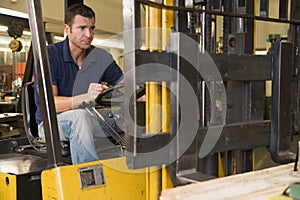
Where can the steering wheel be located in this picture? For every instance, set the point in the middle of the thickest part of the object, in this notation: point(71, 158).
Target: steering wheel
point(113, 96)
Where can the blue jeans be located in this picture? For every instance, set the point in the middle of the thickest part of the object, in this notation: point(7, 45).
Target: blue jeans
point(80, 128)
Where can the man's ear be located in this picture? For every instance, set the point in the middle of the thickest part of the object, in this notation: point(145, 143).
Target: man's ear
point(67, 28)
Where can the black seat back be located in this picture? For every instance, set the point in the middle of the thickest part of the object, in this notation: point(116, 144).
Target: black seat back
point(29, 109)
point(30, 125)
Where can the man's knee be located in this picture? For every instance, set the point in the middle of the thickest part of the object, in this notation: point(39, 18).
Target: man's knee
point(74, 115)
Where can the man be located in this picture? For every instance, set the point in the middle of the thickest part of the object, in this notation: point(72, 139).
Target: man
point(75, 79)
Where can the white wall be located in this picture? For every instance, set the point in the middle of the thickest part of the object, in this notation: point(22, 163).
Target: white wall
point(108, 13)
point(265, 28)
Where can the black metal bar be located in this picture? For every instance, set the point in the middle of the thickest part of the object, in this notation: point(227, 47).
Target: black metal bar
point(29, 67)
point(209, 165)
point(149, 143)
point(109, 130)
point(181, 18)
point(145, 146)
point(264, 8)
point(27, 75)
point(208, 29)
point(249, 29)
point(231, 67)
point(212, 12)
point(217, 5)
point(243, 67)
point(44, 83)
point(6, 20)
point(281, 132)
point(255, 134)
point(49, 37)
point(145, 57)
point(294, 38)
point(228, 163)
point(226, 25)
point(244, 161)
point(295, 14)
point(283, 9)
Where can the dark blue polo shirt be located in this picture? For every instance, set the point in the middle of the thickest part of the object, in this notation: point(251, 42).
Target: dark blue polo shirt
point(97, 67)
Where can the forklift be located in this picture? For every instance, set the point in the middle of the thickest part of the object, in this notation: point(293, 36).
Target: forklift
point(204, 112)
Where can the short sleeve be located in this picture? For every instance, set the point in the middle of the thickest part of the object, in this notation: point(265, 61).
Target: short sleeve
point(113, 74)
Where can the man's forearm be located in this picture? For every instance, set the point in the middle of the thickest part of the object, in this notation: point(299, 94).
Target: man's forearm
point(63, 103)
point(68, 103)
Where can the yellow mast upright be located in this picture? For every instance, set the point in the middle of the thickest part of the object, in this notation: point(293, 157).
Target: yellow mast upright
point(153, 96)
point(158, 24)
point(167, 23)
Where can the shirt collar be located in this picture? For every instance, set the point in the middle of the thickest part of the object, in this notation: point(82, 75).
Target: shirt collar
point(66, 51)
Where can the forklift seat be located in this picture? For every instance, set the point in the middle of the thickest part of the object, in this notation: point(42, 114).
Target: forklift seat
point(29, 109)
point(30, 125)
point(31, 129)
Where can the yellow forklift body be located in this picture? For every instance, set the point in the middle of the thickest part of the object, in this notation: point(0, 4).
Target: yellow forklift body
point(118, 182)
point(8, 185)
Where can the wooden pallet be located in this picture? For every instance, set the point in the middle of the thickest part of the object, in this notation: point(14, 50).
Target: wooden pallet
point(257, 185)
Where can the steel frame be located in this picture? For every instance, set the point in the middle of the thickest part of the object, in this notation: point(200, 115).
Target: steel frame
point(244, 75)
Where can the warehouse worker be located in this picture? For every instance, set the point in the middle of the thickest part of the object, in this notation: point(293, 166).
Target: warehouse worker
point(77, 71)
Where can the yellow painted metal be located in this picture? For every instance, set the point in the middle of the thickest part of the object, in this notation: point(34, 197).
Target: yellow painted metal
point(155, 32)
point(167, 23)
point(147, 24)
point(166, 179)
point(280, 197)
point(153, 90)
point(120, 182)
point(154, 97)
point(153, 111)
point(165, 112)
point(220, 166)
point(8, 186)
point(153, 178)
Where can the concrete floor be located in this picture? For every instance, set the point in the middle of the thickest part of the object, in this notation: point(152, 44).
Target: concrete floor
point(263, 159)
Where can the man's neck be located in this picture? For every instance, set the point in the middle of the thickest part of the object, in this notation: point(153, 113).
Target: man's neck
point(78, 55)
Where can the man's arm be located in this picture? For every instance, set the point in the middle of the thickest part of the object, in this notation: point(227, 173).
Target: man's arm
point(63, 103)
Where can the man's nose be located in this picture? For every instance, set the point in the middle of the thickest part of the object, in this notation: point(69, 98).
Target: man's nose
point(89, 32)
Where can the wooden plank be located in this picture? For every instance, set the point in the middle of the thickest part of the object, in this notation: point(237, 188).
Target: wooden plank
point(261, 184)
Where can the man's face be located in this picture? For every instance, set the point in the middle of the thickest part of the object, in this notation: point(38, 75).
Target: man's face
point(81, 32)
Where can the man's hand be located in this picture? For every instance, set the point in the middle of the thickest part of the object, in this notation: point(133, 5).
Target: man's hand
point(95, 89)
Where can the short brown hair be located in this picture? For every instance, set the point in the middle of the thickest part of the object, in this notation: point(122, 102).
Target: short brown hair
point(78, 9)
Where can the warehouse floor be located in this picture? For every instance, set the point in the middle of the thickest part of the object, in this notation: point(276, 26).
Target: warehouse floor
point(263, 159)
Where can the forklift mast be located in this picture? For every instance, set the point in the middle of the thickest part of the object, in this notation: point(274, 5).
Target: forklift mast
point(217, 96)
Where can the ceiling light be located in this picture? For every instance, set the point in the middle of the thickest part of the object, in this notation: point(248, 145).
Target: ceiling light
point(3, 28)
point(14, 13)
point(108, 43)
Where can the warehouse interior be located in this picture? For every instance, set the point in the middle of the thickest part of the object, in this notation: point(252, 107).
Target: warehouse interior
point(220, 118)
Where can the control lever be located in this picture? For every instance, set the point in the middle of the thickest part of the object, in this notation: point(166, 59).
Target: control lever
point(108, 129)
